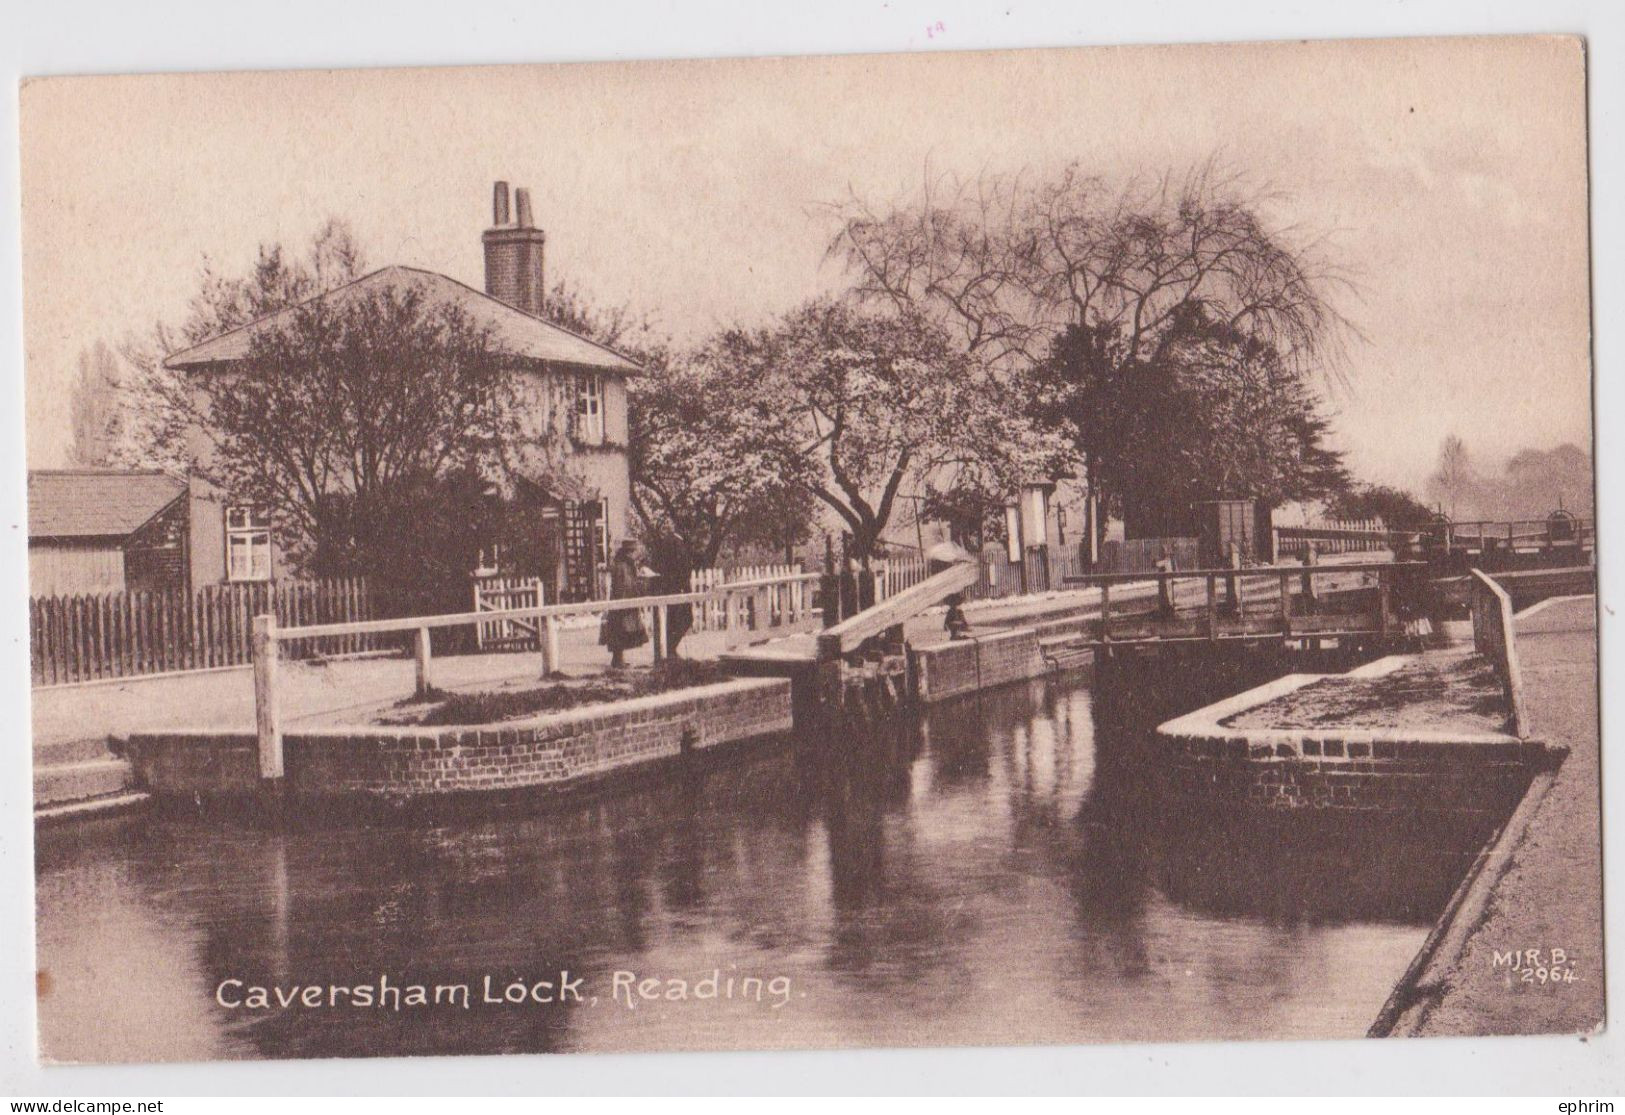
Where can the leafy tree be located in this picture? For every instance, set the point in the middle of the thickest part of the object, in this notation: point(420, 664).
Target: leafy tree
point(154, 412)
point(1398, 509)
point(1213, 413)
point(356, 421)
point(698, 482)
point(1007, 264)
point(95, 408)
point(1537, 482)
point(848, 404)
point(696, 487)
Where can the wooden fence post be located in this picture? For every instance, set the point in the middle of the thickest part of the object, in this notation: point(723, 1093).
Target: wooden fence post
point(267, 725)
point(1213, 607)
point(659, 635)
point(423, 656)
point(550, 645)
point(1232, 583)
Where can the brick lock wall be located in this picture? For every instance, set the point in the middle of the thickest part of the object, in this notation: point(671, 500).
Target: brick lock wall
point(966, 665)
point(1397, 776)
point(553, 750)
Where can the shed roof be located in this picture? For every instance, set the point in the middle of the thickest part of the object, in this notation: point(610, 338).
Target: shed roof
point(512, 329)
point(96, 503)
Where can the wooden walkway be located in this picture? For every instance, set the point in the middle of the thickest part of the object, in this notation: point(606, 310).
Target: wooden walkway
point(1271, 603)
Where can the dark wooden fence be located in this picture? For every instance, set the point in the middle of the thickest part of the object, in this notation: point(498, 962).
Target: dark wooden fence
point(125, 634)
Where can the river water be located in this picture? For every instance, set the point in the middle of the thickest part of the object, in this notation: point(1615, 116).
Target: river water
point(1003, 872)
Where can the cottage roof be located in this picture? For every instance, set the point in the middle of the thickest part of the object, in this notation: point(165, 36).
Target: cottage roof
point(96, 503)
point(512, 329)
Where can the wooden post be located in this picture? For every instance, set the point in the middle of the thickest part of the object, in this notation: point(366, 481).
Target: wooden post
point(1385, 590)
point(422, 657)
point(1232, 583)
point(267, 726)
point(1213, 607)
point(1311, 558)
point(1286, 605)
point(1165, 586)
point(1105, 611)
point(550, 645)
point(829, 592)
point(659, 634)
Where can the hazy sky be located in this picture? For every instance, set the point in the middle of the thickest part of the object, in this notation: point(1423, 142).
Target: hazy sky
point(1449, 173)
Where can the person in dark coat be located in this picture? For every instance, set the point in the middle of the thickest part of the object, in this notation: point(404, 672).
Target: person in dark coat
point(623, 630)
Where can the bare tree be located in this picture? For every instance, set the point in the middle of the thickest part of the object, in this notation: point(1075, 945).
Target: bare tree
point(1453, 480)
point(95, 408)
point(1009, 265)
point(1011, 262)
point(154, 413)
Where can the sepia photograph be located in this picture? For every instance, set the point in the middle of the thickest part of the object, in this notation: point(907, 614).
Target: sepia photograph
point(1020, 547)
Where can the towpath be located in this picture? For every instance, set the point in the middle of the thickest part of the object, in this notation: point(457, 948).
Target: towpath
point(1549, 896)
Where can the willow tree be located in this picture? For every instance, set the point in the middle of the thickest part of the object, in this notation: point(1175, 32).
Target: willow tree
point(1007, 265)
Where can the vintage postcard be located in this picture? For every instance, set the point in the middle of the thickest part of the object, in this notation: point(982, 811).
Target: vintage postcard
point(991, 548)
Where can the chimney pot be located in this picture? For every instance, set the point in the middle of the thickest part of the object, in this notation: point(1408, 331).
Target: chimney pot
point(513, 253)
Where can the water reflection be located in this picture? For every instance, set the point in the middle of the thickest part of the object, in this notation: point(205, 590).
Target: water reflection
point(1003, 871)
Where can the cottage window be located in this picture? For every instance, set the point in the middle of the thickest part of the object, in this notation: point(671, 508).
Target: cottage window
point(248, 544)
point(590, 408)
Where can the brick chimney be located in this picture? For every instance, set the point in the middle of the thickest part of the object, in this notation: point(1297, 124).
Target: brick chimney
point(513, 252)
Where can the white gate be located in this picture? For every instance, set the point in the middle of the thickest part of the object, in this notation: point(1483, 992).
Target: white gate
point(495, 594)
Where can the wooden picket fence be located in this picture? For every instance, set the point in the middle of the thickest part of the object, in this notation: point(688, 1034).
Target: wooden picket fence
point(893, 575)
point(1332, 536)
point(790, 600)
point(127, 634)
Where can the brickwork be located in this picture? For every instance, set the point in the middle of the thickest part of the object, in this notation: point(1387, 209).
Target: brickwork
point(1395, 771)
point(966, 665)
point(1329, 772)
point(554, 750)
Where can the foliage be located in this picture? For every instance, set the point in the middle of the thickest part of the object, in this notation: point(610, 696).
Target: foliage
point(1007, 264)
point(1452, 483)
point(1533, 484)
point(366, 424)
point(154, 410)
point(696, 489)
point(1398, 509)
point(846, 404)
point(1212, 413)
point(1138, 307)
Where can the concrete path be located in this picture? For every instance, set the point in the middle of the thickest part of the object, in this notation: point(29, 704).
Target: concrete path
point(1549, 896)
